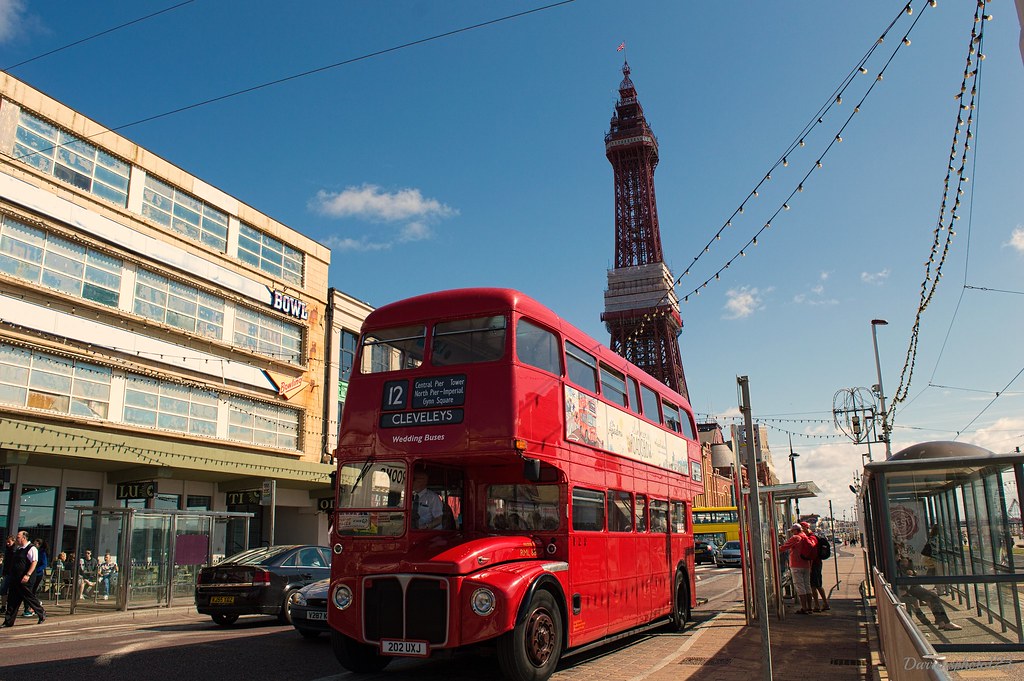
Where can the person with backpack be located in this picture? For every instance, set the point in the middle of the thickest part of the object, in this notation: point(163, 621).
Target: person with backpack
point(39, 575)
point(800, 558)
point(822, 550)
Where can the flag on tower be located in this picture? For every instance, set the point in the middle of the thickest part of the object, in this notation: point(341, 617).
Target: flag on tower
point(621, 46)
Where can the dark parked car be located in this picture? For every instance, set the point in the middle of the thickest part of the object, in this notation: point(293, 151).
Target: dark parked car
point(703, 552)
point(729, 555)
point(259, 581)
point(309, 609)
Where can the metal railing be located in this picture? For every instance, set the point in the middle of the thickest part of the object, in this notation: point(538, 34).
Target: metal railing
point(907, 654)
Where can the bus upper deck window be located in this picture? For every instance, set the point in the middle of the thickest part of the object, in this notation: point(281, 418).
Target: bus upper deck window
point(613, 385)
point(468, 341)
point(537, 347)
point(650, 400)
point(581, 367)
point(395, 349)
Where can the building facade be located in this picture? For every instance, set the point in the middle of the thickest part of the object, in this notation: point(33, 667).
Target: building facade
point(161, 343)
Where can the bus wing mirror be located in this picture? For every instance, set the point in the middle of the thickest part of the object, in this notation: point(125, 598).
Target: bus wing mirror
point(531, 469)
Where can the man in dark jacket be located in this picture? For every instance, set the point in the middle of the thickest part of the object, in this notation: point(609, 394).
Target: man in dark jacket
point(23, 564)
point(4, 581)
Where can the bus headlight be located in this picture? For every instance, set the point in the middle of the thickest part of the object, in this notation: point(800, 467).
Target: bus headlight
point(482, 602)
point(342, 597)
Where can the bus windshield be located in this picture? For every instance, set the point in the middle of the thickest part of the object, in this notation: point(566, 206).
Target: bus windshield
point(371, 486)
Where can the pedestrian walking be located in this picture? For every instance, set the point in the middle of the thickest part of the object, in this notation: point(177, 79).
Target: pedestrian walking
point(799, 566)
point(23, 564)
point(43, 551)
point(5, 575)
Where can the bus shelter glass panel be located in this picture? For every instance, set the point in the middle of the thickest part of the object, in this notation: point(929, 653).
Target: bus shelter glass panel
point(191, 552)
point(96, 581)
point(150, 560)
point(954, 554)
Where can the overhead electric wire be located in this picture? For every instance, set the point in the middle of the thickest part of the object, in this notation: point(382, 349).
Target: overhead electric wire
point(97, 35)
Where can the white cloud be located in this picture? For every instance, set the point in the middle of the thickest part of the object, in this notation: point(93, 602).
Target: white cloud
point(360, 245)
point(11, 18)
point(370, 202)
point(742, 302)
point(875, 278)
point(1017, 239)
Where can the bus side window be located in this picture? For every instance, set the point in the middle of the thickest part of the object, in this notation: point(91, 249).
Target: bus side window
point(537, 347)
point(672, 419)
point(678, 516)
point(650, 400)
point(587, 510)
point(634, 395)
point(620, 511)
point(581, 367)
point(613, 385)
point(640, 513)
point(659, 515)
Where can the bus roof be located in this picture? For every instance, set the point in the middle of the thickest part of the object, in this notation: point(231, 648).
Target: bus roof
point(471, 302)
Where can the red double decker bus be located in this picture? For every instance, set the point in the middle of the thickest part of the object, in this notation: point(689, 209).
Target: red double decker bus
point(504, 480)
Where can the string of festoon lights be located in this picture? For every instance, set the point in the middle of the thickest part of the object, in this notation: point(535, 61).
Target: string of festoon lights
point(145, 455)
point(942, 238)
point(783, 162)
point(771, 423)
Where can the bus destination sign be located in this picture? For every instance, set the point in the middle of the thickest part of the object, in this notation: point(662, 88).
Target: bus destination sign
point(431, 401)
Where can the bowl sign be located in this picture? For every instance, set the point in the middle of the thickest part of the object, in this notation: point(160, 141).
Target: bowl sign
point(288, 305)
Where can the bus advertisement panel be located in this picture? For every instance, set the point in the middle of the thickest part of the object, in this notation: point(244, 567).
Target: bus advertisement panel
point(503, 479)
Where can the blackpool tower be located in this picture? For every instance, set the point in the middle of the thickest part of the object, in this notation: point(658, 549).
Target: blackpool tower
point(641, 309)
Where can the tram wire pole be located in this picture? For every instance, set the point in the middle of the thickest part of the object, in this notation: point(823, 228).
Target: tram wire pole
point(757, 544)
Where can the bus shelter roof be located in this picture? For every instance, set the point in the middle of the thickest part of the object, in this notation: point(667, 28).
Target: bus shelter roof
point(789, 490)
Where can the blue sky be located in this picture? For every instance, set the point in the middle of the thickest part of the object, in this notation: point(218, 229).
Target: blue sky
point(477, 159)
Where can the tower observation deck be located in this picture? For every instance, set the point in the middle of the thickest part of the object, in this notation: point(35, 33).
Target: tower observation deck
point(641, 310)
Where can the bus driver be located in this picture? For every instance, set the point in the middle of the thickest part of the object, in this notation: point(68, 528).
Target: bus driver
point(426, 504)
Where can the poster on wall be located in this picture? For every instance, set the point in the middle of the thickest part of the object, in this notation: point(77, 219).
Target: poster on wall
point(909, 532)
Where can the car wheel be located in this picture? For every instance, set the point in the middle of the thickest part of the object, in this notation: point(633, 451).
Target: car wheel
point(355, 656)
point(285, 614)
point(308, 633)
point(531, 651)
point(225, 620)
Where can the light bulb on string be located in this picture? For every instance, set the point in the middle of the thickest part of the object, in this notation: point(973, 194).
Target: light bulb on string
point(862, 70)
point(906, 42)
point(785, 163)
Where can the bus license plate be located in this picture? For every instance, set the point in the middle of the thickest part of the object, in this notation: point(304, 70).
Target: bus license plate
point(407, 648)
point(316, 615)
point(222, 600)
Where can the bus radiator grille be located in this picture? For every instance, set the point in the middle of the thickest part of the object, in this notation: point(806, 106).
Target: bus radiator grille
point(413, 609)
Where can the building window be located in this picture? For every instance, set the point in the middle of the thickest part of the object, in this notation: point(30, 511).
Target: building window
point(38, 257)
point(266, 253)
point(268, 335)
point(167, 502)
point(197, 502)
point(42, 381)
point(262, 424)
point(38, 506)
point(170, 406)
point(71, 159)
point(185, 214)
point(75, 499)
point(177, 304)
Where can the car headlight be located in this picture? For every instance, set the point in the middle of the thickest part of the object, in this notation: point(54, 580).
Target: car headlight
point(342, 597)
point(297, 598)
point(482, 602)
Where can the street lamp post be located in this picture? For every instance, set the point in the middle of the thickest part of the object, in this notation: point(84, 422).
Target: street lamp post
point(792, 464)
point(875, 323)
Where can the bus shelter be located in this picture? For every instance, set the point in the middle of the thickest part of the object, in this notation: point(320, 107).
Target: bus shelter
point(938, 528)
point(776, 518)
point(158, 554)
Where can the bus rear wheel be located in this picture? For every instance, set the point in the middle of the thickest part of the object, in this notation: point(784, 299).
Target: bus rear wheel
point(355, 656)
point(531, 651)
point(680, 603)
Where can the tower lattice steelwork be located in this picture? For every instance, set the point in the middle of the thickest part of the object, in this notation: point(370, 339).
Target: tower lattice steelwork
point(641, 309)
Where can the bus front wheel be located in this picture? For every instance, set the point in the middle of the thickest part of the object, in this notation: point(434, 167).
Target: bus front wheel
point(531, 651)
point(355, 656)
point(680, 603)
